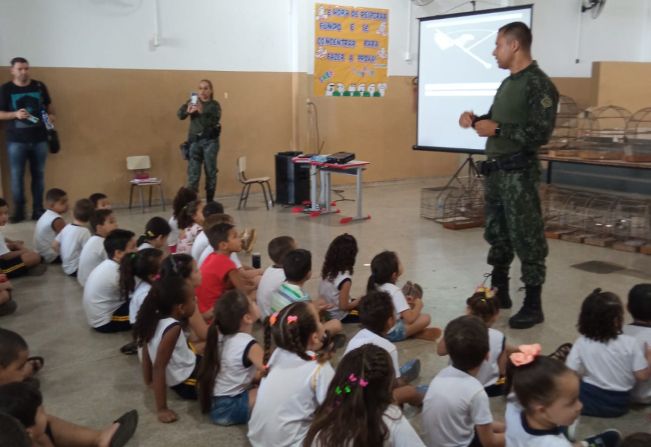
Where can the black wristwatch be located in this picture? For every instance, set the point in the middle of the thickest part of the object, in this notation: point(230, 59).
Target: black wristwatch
point(498, 130)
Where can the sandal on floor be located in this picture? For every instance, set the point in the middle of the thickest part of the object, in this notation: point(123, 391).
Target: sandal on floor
point(130, 348)
point(37, 363)
point(128, 424)
point(561, 352)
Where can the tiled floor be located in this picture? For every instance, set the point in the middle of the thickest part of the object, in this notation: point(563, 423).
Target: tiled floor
point(88, 381)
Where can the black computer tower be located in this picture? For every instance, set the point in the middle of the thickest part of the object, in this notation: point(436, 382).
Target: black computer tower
point(292, 179)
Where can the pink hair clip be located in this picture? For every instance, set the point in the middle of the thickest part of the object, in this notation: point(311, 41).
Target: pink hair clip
point(292, 319)
point(157, 277)
point(527, 354)
point(363, 383)
point(352, 378)
point(273, 318)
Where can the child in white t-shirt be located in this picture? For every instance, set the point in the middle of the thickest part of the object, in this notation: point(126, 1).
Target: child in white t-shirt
point(358, 408)
point(181, 199)
point(71, 240)
point(100, 201)
point(102, 222)
point(386, 268)
point(376, 316)
point(50, 224)
point(159, 330)
point(456, 411)
point(190, 223)
point(105, 310)
point(232, 359)
point(483, 304)
point(610, 362)
point(156, 233)
point(15, 259)
point(201, 242)
point(544, 401)
point(274, 275)
point(337, 278)
point(138, 270)
point(639, 306)
point(298, 376)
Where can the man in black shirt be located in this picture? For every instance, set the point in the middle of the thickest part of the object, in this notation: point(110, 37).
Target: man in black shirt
point(22, 103)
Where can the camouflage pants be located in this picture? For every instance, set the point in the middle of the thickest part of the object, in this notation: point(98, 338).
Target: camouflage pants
point(514, 223)
point(203, 151)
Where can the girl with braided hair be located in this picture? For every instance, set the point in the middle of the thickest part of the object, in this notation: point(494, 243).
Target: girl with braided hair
point(298, 375)
point(358, 407)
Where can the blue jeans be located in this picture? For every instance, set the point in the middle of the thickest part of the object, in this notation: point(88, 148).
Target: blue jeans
point(36, 154)
point(230, 410)
point(397, 332)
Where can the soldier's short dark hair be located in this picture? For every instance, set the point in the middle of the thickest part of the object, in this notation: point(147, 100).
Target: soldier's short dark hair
point(18, 60)
point(520, 32)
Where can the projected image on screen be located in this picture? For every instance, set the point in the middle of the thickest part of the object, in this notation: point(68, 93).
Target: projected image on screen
point(458, 72)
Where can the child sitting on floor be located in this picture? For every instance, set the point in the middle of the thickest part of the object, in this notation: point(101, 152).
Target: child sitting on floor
point(274, 275)
point(190, 223)
point(105, 310)
point(337, 279)
point(102, 222)
point(639, 306)
point(50, 224)
point(201, 242)
point(159, 330)
point(610, 362)
point(71, 240)
point(376, 315)
point(386, 268)
point(456, 409)
point(181, 199)
point(15, 259)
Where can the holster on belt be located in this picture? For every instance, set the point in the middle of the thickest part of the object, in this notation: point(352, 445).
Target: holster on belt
point(516, 162)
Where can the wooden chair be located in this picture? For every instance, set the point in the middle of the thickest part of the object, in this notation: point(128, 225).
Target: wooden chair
point(247, 182)
point(139, 165)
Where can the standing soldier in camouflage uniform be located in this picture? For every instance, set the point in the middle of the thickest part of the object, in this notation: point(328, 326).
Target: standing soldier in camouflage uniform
point(203, 138)
point(520, 120)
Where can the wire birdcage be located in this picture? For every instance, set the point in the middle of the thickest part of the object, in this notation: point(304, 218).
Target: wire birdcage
point(577, 208)
point(553, 202)
point(638, 137)
point(601, 216)
point(462, 204)
point(632, 219)
point(601, 132)
point(566, 126)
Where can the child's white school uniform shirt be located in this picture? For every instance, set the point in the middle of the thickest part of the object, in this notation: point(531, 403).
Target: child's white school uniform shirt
point(454, 404)
point(236, 372)
point(145, 245)
point(287, 399)
point(489, 372)
point(183, 360)
point(329, 290)
point(399, 301)
point(3, 245)
point(365, 336)
point(187, 237)
point(137, 298)
point(642, 391)
point(519, 434)
point(91, 256)
point(609, 365)
point(173, 238)
point(200, 244)
point(272, 278)
point(401, 433)
point(44, 235)
point(102, 293)
point(71, 241)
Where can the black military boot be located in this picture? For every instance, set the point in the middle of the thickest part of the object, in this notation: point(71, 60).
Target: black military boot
point(531, 312)
point(210, 196)
point(500, 281)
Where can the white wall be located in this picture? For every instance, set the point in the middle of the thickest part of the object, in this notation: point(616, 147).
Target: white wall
point(278, 35)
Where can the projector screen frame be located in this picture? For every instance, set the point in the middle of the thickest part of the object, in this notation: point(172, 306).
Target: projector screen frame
point(458, 150)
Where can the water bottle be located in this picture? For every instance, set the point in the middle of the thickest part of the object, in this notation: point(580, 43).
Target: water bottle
point(46, 120)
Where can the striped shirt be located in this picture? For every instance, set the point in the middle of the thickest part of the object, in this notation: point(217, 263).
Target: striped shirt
point(287, 294)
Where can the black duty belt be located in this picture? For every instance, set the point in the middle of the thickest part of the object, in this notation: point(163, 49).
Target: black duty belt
point(517, 162)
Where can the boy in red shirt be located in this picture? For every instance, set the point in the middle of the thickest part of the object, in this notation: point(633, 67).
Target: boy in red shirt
point(218, 272)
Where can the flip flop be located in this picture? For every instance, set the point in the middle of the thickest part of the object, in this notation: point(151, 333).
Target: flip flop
point(130, 348)
point(37, 363)
point(128, 424)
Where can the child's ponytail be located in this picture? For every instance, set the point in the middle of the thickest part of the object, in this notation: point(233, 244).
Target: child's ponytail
point(140, 264)
point(186, 216)
point(291, 329)
point(178, 264)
